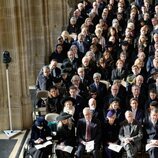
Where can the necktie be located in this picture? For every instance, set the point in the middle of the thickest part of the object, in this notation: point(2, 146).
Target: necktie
point(88, 131)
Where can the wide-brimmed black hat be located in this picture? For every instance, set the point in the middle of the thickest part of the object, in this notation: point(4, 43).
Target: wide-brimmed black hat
point(68, 99)
point(63, 116)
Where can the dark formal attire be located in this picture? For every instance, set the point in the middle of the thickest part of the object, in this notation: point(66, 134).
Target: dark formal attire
point(54, 104)
point(138, 115)
point(83, 47)
point(56, 72)
point(75, 63)
point(58, 56)
point(141, 101)
point(80, 103)
point(152, 134)
point(153, 86)
point(110, 135)
point(100, 89)
point(35, 134)
point(65, 135)
point(118, 74)
point(95, 135)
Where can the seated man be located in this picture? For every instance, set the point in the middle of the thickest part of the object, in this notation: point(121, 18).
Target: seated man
point(88, 129)
point(44, 79)
point(130, 135)
point(151, 127)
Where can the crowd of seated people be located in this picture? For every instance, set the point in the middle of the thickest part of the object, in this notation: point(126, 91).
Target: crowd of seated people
point(114, 41)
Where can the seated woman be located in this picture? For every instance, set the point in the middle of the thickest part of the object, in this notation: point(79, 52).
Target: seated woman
point(111, 128)
point(66, 135)
point(115, 104)
point(40, 131)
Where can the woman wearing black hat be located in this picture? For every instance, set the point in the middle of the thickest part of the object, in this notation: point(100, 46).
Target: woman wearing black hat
point(65, 134)
point(40, 131)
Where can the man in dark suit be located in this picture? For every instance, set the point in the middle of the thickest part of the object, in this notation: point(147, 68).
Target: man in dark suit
point(80, 102)
point(55, 70)
point(151, 127)
point(44, 79)
point(130, 135)
point(72, 60)
point(99, 86)
point(88, 129)
point(82, 46)
point(136, 94)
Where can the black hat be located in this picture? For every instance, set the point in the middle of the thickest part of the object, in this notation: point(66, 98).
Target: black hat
point(111, 113)
point(63, 116)
point(154, 103)
point(116, 99)
point(68, 99)
point(39, 121)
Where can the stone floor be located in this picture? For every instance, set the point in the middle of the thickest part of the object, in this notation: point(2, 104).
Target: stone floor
point(17, 150)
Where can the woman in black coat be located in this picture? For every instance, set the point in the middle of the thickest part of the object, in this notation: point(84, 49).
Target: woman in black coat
point(110, 134)
point(40, 131)
point(65, 135)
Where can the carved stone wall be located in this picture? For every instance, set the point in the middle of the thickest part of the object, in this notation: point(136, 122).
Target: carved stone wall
point(28, 30)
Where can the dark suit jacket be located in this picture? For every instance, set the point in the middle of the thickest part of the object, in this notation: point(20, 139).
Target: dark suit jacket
point(139, 116)
point(151, 131)
point(101, 90)
point(118, 75)
point(85, 45)
point(95, 128)
point(112, 132)
point(57, 72)
point(66, 135)
point(152, 86)
point(141, 101)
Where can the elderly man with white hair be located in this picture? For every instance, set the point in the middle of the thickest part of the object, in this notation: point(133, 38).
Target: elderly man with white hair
point(88, 131)
point(130, 135)
point(98, 86)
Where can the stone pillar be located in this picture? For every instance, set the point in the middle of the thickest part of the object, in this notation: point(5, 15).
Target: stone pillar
point(28, 30)
point(12, 29)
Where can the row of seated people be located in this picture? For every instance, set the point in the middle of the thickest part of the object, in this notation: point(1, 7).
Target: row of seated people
point(103, 96)
point(52, 74)
point(90, 135)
